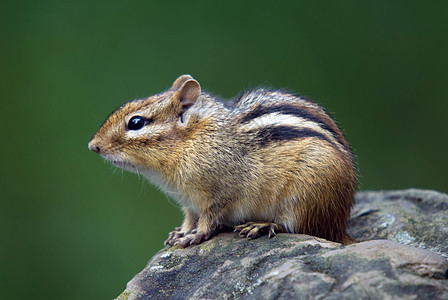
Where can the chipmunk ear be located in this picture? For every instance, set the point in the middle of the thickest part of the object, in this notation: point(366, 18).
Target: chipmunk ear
point(188, 92)
point(179, 81)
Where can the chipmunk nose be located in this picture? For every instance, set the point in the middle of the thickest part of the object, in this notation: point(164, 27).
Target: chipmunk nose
point(94, 147)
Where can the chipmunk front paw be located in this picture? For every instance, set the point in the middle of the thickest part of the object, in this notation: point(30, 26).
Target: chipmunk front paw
point(194, 238)
point(175, 236)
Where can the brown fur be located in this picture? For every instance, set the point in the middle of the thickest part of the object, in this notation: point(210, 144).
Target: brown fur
point(225, 172)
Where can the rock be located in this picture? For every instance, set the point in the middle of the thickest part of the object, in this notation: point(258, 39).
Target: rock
point(294, 266)
point(414, 217)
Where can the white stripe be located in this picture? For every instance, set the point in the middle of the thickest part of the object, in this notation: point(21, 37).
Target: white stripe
point(148, 131)
point(279, 119)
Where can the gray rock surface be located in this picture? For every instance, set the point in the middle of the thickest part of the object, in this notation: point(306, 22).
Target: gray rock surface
point(294, 266)
point(413, 217)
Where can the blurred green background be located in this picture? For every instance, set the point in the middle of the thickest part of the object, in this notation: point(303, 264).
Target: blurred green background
point(74, 227)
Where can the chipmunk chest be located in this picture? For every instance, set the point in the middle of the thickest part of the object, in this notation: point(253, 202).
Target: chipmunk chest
point(171, 190)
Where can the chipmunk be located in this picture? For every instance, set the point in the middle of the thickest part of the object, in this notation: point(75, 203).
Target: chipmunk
point(269, 162)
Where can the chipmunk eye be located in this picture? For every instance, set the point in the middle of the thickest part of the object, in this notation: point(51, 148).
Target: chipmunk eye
point(136, 123)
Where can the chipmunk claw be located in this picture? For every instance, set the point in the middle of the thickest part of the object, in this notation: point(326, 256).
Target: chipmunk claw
point(194, 238)
point(254, 230)
point(174, 236)
point(183, 242)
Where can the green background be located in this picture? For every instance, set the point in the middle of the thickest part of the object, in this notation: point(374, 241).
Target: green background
point(74, 227)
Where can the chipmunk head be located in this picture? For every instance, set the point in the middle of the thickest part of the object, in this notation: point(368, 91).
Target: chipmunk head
point(144, 134)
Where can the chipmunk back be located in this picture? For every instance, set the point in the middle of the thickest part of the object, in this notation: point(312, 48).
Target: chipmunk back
point(269, 162)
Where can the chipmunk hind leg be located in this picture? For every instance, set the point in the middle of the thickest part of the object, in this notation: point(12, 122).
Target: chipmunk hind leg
point(324, 220)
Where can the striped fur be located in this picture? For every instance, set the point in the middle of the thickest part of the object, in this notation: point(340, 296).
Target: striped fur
point(290, 115)
point(269, 157)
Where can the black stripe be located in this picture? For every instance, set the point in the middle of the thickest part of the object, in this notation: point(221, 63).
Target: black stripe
point(279, 133)
point(289, 110)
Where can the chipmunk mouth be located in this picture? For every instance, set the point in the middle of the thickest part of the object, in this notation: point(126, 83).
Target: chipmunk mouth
point(124, 165)
point(121, 163)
